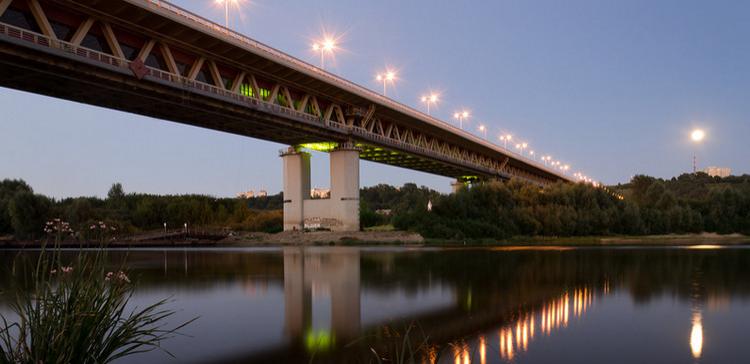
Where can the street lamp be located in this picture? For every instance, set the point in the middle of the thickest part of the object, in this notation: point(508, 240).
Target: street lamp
point(531, 153)
point(461, 116)
point(430, 99)
point(388, 76)
point(521, 147)
point(483, 129)
point(697, 136)
point(327, 45)
point(505, 139)
point(226, 4)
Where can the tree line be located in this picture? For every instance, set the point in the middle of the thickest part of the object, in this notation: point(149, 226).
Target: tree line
point(24, 213)
point(690, 203)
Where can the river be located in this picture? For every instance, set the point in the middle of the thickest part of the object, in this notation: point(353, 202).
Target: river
point(488, 305)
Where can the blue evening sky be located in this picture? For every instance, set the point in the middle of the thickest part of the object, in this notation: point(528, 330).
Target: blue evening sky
point(611, 87)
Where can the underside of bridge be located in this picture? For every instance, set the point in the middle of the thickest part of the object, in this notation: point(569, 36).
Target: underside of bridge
point(154, 59)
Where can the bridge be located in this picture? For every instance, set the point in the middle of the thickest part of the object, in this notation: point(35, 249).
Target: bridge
point(152, 58)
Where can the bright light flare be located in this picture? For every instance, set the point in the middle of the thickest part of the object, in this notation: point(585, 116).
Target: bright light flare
point(697, 135)
point(326, 46)
point(389, 76)
point(431, 98)
point(227, 4)
point(386, 77)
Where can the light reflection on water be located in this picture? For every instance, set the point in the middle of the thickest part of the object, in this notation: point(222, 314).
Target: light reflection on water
point(474, 305)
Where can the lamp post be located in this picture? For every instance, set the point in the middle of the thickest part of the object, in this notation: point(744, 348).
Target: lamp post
point(521, 147)
point(430, 99)
point(483, 129)
point(226, 4)
point(461, 116)
point(697, 136)
point(505, 139)
point(387, 76)
point(327, 45)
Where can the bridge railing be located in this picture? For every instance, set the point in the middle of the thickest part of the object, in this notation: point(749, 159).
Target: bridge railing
point(100, 57)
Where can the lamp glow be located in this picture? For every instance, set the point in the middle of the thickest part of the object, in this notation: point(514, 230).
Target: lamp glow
point(385, 77)
point(697, 135)
point(327, 45)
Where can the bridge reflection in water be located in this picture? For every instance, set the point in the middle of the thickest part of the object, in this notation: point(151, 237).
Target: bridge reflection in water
point(335, 272)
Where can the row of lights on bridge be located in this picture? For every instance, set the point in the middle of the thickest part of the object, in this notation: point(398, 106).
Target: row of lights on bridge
point(328, 45)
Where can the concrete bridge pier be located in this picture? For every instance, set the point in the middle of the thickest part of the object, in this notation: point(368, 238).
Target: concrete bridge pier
point(296, 187)
point(457, 186)
point(340, 212)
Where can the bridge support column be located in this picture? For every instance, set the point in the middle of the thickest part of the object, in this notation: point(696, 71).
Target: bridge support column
point(296, 188)
point(345, 187)
point(457, 186)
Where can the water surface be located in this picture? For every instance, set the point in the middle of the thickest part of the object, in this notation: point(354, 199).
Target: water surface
point(553, 305)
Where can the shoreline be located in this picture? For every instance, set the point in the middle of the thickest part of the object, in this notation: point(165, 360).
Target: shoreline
point(401, 238)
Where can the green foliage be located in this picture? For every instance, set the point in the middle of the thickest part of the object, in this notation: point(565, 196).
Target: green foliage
point(23, 214)
point(8, 189)
point(28, 213)
point(77, 313)
point(687, 204)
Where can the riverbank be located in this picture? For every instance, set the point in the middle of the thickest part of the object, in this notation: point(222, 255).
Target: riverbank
point(402, 238)
point(414, 239)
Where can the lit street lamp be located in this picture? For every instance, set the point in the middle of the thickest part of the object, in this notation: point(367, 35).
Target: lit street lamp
point(461, 116)
point(505, 139)
point(483, 129)
point(226, 4)
point(327, 45)
point(697, 136)
point(388, 76)
point(430, 99)
point(521, 147)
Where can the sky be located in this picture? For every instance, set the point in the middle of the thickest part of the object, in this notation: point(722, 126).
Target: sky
point(612, 88)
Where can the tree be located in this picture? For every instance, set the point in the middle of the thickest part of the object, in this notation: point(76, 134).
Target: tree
point(28, 214)
point(8, 189)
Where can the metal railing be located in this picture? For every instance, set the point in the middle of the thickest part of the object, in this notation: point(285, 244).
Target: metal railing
point(157, 74)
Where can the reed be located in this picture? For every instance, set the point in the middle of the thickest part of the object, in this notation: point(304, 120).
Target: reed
point(78, 312)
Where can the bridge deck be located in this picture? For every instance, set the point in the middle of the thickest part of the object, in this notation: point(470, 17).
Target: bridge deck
point(233, 84)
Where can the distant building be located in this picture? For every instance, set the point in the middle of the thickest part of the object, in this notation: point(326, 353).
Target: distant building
point(248, 194)
point(320, 193)
point(718, 171)
point(252, 194)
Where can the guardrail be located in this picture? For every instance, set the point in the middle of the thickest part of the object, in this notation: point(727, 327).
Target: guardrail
point(100, 57)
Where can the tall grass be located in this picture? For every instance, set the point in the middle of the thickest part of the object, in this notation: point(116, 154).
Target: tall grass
point(77, 312)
